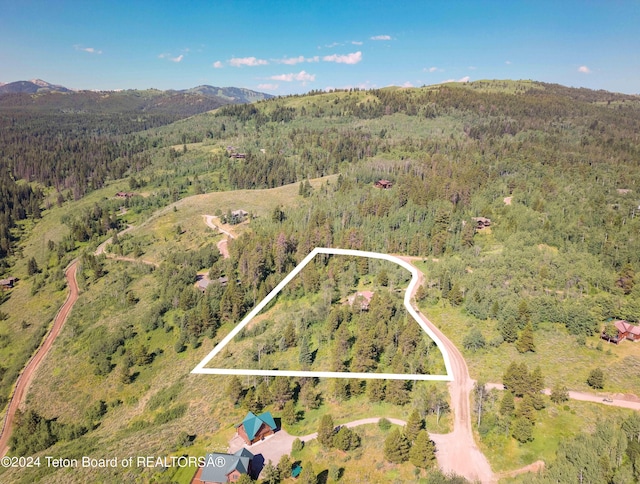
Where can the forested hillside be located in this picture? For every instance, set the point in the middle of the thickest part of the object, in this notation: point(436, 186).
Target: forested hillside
point(520, 199)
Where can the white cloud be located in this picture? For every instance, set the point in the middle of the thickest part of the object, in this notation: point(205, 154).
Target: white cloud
point(170, 58)
point(407, 84)
point(432, 69)
point(88, 50)
point(472, 68)
point(217, 65)
point(352, 58)
point(584, 70)
point(507, 62)
point(332, 45)
point(292, 61)
point(302, 76)
point(381, 37)
point(356, 42)
point(247, 61)
point(268, 87)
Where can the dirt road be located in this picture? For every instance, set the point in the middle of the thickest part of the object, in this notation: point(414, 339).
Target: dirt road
point(457, 451)
point(102, 250)
point(222, 245)
point(617, 399)
point(25, 378)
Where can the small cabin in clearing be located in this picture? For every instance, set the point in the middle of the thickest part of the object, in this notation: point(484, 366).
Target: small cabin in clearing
point(384, 184)
point(361, 300)
point(481, 222)
point(125, 195)
point(8, 283)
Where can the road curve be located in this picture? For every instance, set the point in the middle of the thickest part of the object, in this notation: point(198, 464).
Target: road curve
point(457, 451)
point(25, 378)
point(222, 245)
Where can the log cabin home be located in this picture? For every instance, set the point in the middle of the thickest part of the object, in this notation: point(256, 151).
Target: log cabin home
point(625, 331)
point(254, 427)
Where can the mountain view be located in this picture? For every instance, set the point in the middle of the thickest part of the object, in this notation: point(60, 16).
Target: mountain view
point(370, 261)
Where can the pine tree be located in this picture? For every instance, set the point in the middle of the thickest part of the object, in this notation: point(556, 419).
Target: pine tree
point(308, 475)
point(508, 331)
point(415, 424)
point(396, 447)
point(525, 341)
point(422, 453)
point(507, 405)
point(376, 390)
point(305, 358)
point(284, 466)
point(325, 431)
point(289, 415)
point(270, 474)
point(522, 430)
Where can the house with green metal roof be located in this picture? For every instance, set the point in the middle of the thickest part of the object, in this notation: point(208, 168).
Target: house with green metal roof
point(256, 427)
point(223, 468)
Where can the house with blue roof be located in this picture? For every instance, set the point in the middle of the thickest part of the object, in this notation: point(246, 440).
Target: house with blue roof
point(223, 468)
point(256, 427)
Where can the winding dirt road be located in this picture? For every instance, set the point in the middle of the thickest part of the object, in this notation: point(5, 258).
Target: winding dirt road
point(25, 378)
point(222, 245)
point(457, 451)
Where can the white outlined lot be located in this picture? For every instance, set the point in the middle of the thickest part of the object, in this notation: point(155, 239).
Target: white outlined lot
point(200, 368)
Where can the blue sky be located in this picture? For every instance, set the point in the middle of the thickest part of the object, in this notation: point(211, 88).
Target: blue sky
point(285, 47)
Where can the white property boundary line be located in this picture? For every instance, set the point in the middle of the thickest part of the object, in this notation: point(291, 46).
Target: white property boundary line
point(200, 368)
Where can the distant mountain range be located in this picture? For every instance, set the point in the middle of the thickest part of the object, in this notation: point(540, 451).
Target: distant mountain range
point(230, 94)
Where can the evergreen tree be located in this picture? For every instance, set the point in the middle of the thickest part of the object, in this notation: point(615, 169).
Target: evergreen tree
point(305, 357)
point(32, 266)
point(325, 431)
point(396, 447)
point(346, 439)
point(422, 453)
point(525, 341)
point(284, 467)
point(508, 330)
point(270, 474)
point(289, 415)
point(308, 475)
point(415, 424)
point(507, 405)
point(522, 430)
point(376, 390)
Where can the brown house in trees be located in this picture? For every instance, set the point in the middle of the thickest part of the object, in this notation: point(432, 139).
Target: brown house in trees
point(481, 222)
point(384, 184)
point(625, 331)
point(256, 427)
point(362, 298)
point(8, 283)
point(125, 195)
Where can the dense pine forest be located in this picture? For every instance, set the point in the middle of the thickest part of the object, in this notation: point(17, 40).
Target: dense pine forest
point(554, 171)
